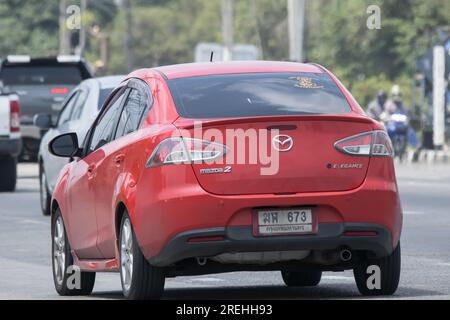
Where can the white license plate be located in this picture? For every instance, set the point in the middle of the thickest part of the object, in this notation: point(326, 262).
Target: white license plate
point(284, 221)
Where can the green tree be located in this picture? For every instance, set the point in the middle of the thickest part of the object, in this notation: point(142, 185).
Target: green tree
point(28, 27)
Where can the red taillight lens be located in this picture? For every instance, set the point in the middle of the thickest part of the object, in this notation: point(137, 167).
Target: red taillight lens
point(59, 90)
point(373, 143)
point(14, 116)
point(185, 151)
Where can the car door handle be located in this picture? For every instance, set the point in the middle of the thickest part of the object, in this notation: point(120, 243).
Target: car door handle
point(91, 171)
point(119, 159)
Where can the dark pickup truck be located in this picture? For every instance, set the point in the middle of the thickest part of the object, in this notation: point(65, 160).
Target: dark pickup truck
point(42, 84)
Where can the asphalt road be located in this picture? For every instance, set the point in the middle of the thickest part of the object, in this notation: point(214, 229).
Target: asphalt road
point(25, 269)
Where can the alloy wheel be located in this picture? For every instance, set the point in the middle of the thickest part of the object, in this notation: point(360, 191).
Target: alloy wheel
point(126, 254)
point(59, 250)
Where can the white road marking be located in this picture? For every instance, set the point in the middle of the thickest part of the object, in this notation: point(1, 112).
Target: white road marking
point(207, 279)
point(408, 212)
point(28, 221)
point(444, 264)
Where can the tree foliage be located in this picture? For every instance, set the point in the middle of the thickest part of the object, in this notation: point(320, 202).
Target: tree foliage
point(166, 32)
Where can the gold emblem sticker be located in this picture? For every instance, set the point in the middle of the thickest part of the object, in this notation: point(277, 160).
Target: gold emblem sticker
point(306, 83)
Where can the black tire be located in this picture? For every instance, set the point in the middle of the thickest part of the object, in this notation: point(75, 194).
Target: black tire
point(306, 278)
point(8, 172)
point(65, 284)
point(389, 267)
point(44, 196)
point(147, 282)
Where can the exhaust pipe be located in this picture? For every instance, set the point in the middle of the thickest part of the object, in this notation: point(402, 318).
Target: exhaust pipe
point(345, 255)
point(202, 261)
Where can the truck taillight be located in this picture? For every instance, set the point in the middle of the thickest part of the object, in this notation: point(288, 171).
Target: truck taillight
point(59, 90)
point(373, 143)
point(185, 151)
point(14, 116)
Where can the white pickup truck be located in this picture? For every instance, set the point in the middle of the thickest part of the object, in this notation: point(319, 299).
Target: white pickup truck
point(10, 140)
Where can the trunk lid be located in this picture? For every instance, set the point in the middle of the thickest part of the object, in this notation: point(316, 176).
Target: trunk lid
point(311, 164)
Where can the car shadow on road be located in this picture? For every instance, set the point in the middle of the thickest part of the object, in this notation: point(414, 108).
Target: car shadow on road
point(275, 292)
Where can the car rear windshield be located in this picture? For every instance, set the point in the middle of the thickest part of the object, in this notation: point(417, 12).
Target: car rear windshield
point(257, 94)
point(40, 75)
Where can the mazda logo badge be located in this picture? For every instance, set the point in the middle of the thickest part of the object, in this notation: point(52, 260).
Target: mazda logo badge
point(282, 143)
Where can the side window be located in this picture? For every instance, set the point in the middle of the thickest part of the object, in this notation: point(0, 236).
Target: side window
point(66, 112)
point(104, 130)
point(79, 105)
point(135, 109)
point(131, 114)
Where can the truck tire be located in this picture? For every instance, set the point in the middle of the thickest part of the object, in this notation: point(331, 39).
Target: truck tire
point(8, 173)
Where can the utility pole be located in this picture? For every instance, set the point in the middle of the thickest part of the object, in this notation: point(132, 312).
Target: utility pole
point(82, 28)
point(227, 29)
point(64, 35)
point(296, 18)
point(438, 96)
point(126, 5)
point(103, 39)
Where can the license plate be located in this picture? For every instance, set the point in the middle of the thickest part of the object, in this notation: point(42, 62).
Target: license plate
point(284, 222)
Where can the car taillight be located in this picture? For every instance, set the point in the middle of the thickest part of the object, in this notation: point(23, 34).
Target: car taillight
point(59, 90)
point(373, 143)
point(186, 151)
point(14, 116)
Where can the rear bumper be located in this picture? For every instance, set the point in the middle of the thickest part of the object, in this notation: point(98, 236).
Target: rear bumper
point(330, 236)
point(30, 131)
point(10, 147)
point(169, 206)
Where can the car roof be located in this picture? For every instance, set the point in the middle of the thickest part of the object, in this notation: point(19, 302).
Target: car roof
point(234, 67)
point(110, 81)
point(105, 82)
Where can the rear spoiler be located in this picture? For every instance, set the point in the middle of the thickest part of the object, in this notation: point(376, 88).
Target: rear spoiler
point(190, 123)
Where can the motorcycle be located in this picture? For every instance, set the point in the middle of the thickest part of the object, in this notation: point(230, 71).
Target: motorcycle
point(397, 126)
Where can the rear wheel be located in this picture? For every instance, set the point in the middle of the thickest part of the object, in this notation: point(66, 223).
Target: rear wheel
point(306, 278)
point(45, 196)
point(376, 277)
point(8, 172)
point(69, 281)
point(140, 280)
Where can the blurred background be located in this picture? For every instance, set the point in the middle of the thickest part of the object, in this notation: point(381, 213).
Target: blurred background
point(394, 56)
point(117, 36)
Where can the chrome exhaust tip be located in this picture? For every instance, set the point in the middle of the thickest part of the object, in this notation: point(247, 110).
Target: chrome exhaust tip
point(202, 261)
point(345, 255)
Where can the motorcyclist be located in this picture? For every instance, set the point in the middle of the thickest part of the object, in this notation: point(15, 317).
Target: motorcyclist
point(376, 107)
point(395, 104)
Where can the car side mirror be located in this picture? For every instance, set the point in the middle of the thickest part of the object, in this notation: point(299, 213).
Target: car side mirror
point(43, 121)
point(65, 146)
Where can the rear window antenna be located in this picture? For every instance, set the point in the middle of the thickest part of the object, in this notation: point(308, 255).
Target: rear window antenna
point(211, 59)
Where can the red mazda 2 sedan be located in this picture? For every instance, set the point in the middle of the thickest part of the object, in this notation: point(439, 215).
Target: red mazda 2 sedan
point(218, 167)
